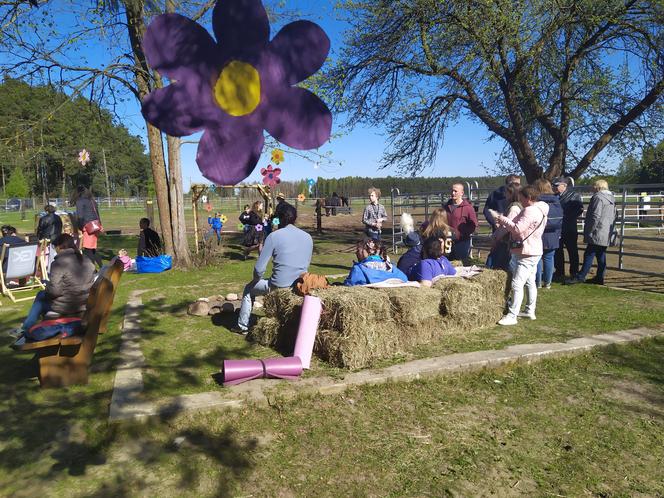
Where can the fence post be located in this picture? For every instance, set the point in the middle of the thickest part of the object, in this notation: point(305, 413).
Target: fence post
point(319, 217)
point(622, 229)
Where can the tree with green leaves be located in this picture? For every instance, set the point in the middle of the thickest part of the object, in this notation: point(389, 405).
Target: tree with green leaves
point(557, 80)
point(17, 186)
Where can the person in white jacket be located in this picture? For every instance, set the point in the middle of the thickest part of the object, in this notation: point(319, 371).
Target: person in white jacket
point(526, 231)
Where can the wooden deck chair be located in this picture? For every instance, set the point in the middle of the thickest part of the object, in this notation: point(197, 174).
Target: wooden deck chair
point(45, 259)
point(22, 262)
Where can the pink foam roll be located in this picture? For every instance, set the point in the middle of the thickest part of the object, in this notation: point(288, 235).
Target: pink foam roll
point(306, 332)
point(238, 371)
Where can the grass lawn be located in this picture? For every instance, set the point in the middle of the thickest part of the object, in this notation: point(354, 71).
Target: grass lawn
point(588, 425)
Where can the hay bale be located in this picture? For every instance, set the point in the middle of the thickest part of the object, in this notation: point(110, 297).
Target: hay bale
point(411, 306)
point(361, 325)
point(283, 304)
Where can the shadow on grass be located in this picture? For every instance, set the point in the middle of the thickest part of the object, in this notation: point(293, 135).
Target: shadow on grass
point(54, 436)
point(181, 368)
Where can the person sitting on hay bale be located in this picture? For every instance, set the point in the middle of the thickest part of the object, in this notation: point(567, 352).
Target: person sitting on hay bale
point(437, 226)
point(413, 255)
point(526, 230)
point(433, 264)
point(372, 265)
point(290, 249)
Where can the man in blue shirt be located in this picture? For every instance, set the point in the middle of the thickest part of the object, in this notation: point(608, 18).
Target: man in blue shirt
point(290, 249)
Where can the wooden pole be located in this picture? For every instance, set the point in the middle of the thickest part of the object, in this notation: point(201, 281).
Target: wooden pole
point(108, 188)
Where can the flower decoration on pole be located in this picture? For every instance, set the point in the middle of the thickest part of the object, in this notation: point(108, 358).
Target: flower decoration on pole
point(212, 188)
point(223, 218)
point(84, 157)
point(310, 183)
point(301, 198)
point(236, 86)
point(271, 175)
point(277, 156)
point(208, 207)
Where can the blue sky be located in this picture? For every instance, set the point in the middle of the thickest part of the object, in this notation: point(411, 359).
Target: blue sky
point(358, 153)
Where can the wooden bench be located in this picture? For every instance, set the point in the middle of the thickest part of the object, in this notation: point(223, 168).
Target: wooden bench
point(338, 209)
point(65, 361)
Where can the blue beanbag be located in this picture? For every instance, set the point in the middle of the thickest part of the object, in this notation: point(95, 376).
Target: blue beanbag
point(155, 264)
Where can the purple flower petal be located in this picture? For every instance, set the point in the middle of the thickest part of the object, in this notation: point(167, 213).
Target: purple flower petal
point(298, 118)
point(301, 47)
point(172, 42)
point(227, 160)
point(241, 27)
point(182, 108)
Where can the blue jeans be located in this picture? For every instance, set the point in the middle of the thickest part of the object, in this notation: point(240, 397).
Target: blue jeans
point(373, 234)
point(460, 249)
point(592, 252)
point(545, 267)
point(251, 290)
point(216, 232)
point(40, 307)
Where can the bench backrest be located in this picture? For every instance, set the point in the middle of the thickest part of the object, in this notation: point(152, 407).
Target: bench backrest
point(112, 271)
point(21, 260)
point(98, 307)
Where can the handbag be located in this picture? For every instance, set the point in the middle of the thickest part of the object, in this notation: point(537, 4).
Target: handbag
point(93, 226)
point(518, 244)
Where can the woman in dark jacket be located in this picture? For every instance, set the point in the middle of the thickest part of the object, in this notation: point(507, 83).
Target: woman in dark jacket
point(551, 235)
point(50, 225)
point(86, 211)
point(68, 287)
point(253, 238)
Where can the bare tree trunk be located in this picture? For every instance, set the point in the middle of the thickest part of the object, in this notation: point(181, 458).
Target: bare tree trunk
point(136, 29)
point(183, 258)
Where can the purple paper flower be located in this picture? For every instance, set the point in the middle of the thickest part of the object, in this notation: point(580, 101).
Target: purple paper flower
point(235, 87)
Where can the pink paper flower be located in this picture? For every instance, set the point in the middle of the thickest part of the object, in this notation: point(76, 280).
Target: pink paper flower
point(84, 157)
point(271, 176)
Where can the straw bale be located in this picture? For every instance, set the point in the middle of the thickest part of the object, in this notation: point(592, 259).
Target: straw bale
point(283, 304)
point(411, 305)
point(360, 325)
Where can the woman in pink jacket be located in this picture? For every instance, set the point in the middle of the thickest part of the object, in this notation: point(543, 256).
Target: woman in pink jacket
point(526, 231)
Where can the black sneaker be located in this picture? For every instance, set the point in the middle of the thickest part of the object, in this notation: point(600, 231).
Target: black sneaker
point(596, 280)
point(573, 281)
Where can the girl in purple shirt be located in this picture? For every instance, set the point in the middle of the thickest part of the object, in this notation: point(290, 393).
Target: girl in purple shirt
point(433, 263)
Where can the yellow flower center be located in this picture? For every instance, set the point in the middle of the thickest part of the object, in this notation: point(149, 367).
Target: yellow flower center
point(238, 88)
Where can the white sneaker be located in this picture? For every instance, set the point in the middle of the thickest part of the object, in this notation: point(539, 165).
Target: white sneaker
point(508, 320)
point(530, 316)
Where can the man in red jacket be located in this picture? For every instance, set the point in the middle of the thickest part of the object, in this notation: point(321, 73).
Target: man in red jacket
point(462, 218)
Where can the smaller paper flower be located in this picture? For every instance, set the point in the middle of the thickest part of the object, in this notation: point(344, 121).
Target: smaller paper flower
point(208, 207)
point(240, 226)
point(301, 197)
point(84, 157)
point(275, 221)
point(223, 218)
point(311, 182)
point(277, 156)
point(259, 228)
point(271, 175)
point(212, 188)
